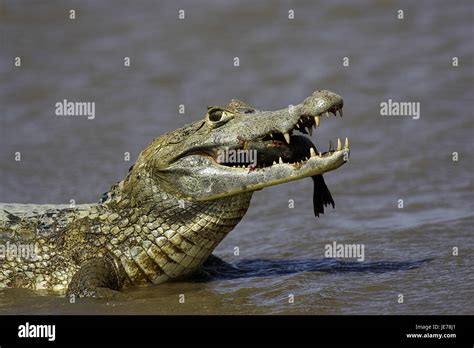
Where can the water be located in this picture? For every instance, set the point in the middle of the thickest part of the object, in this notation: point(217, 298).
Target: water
point(190, 62)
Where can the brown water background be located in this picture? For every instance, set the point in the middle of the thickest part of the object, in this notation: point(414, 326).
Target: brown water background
point(282, 61)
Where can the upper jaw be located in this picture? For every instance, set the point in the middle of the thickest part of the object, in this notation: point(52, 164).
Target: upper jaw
point(305, 116)
point(263, 125)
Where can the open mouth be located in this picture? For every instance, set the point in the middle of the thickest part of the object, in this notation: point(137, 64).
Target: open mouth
point(276, 148)
point(254, 150)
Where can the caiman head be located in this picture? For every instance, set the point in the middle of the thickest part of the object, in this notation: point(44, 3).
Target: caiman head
point(237, 148)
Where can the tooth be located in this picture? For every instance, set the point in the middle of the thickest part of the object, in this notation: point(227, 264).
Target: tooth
point(320, 154)
point(317, 120)
point(327, 113)
point(331, 148)
point(310, 131)
point(287, 137)
point(339, 144)
point(274, 162)
point(346, 144)
point(340, 112)
point(297, 125)
point(271, 135)
point(312, 152)
point(280, 160)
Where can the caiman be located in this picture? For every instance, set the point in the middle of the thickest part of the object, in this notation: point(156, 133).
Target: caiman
point(177, 203)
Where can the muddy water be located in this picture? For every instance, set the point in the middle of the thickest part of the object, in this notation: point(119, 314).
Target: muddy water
point(282, 61)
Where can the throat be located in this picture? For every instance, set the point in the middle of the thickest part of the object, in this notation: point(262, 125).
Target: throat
point(172, 237)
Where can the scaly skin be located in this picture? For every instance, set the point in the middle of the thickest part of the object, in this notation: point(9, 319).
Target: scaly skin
point(174, 207)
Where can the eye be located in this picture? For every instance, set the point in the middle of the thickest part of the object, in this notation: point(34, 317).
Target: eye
point(217, 116)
